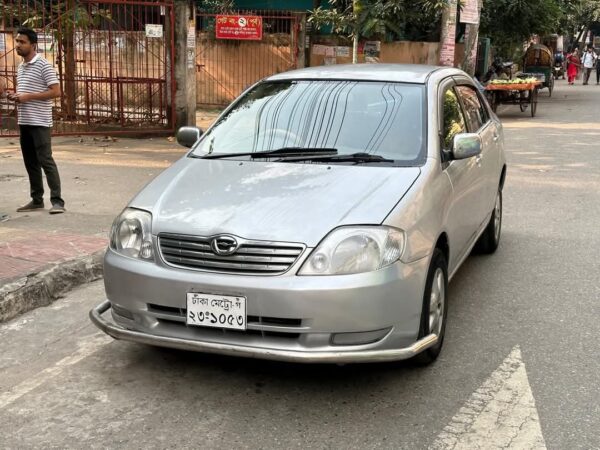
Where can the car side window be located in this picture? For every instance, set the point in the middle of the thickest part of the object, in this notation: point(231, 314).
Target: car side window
point(454, 120)
point(484, 110)
point(475, 111)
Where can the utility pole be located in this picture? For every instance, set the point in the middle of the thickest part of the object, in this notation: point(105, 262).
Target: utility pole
point(448, 34)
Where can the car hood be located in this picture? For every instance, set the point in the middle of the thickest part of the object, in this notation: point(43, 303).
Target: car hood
point(291, 202)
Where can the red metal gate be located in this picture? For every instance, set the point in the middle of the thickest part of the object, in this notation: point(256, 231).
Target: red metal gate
point(227, 67)
point(112, 57)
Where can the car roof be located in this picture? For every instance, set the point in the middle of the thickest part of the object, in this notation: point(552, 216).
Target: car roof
point(403, 73)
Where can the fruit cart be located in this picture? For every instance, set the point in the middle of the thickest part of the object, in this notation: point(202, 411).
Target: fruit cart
point(522, 92)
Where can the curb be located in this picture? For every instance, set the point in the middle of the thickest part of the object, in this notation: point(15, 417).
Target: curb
point(44, 287)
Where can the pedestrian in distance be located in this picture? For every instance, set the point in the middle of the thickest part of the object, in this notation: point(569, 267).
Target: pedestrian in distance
point(573, 65)
point(597, 69)
point(37, 85)
point(588, 61)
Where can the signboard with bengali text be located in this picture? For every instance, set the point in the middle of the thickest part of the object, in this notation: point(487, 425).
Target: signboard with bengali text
point(248, 28)
point(470, 12)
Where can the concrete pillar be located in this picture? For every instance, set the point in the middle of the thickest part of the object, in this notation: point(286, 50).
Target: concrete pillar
point(185, 63)
point(448, 35)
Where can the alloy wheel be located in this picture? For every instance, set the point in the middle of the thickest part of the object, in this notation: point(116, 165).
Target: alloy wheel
point(437, 302)
point(497, 217)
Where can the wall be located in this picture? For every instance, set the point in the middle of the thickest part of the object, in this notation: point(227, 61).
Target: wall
point(391, 52)
point(227, 68)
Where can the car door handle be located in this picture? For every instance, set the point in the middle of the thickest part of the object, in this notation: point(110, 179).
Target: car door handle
point(478, 160)
point(496, 137)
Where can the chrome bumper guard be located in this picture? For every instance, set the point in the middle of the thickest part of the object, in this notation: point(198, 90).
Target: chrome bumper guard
point(339, 357)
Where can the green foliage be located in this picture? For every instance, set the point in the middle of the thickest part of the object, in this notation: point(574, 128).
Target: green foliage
point(578, 14)
point(509, 23)
point(68, 17)
point(218, 6)
point(403, 19)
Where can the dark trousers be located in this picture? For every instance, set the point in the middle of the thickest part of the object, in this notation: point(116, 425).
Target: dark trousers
point(598, 74)
point(586, 74)
point(37, 155)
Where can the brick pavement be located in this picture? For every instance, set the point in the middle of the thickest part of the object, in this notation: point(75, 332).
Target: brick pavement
point(43, 255)
point(29, 252)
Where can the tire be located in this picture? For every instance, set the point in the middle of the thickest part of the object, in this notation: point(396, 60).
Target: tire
point(490, 238)
point(436, 293)
point(534, 101)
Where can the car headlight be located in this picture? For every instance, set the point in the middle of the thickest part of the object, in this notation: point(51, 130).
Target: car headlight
point(350, 250)
point(130, 234)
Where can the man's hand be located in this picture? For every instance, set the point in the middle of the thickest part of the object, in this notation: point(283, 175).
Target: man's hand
point(20, 98)
point(24, 97)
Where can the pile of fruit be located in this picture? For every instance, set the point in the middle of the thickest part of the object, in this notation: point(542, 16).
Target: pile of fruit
point(515, 81)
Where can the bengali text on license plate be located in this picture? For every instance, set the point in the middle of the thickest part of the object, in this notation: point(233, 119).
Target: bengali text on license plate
point(217, 311)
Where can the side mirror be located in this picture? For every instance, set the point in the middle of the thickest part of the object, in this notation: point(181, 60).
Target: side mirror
point(188, 136)
point(466, 145)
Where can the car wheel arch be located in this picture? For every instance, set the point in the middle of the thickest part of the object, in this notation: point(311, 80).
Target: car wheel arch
point(442, 244)
point(502, 177)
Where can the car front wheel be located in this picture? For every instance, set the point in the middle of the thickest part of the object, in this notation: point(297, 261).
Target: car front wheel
point(435, 307)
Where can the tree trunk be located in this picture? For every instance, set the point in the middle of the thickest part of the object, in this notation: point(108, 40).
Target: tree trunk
point(471, 43)
point(67, 40)
point(357, 7)
point(69, 96)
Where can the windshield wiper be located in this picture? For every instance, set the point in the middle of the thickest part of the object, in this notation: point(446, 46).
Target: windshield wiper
point(352, 157)
point(284, 151)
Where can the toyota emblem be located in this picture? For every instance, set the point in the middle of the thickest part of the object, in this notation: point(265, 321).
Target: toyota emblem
point(224, 245)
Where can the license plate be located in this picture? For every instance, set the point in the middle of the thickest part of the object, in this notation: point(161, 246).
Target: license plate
point(216, 311)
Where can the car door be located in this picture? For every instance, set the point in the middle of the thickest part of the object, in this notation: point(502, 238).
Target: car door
point(465, 209)
point(478, 121)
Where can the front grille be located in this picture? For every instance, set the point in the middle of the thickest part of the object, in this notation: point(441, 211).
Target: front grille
point(216, 332)
point(172, 316)
point(179, 316)
point(251, 257)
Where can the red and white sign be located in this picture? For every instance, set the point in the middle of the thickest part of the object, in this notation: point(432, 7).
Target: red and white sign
point(239, 27)
point(470, 12)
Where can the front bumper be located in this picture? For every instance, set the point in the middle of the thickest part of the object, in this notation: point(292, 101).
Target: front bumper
point(339, 357)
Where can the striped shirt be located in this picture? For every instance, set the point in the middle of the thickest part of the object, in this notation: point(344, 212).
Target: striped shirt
point(35, 76)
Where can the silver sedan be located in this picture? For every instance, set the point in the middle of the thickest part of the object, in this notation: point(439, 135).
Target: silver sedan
point(319, 219)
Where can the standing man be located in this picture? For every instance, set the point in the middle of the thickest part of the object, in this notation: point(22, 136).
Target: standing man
point(588, 60)
point(37, 85)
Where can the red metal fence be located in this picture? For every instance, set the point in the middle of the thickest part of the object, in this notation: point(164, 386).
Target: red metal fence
point(227, 67)
point(112, 58)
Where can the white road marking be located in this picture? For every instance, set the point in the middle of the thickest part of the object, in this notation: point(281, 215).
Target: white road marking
point(501, 414)
point(86, 348)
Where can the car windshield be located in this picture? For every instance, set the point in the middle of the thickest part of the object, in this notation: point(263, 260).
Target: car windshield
point(348, 117)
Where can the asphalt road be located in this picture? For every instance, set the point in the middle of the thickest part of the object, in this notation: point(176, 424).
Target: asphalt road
point(520, 367)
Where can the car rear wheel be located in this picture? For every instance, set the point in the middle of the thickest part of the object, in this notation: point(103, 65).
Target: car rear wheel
point(435, 307)
point(489, 240)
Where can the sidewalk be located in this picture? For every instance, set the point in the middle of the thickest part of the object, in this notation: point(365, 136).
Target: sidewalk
point(44, 256)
